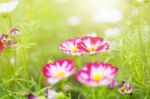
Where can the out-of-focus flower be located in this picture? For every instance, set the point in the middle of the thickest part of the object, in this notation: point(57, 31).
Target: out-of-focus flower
point(14, 32)
point(51, 94)
point(92, 45)
point(71, 46)
point(125, 88)
point(58, 70)
point(11, 43)
point(3, 37)
point(8, 7)
point(113, 84)
point(31, 96)
point(107, 15)
point(97, 74)
point(111, 31)
point(67, 88)
point(74, 20)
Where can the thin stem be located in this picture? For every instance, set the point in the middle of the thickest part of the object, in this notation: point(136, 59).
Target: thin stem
point(9, 21)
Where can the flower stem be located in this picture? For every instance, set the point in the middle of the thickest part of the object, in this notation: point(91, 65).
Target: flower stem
point(9, 21)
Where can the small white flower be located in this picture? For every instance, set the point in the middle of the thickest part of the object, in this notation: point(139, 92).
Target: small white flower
point(74, 21)
point(111, 31)
point(107, 15)
point(51, 94)
point(8, 7)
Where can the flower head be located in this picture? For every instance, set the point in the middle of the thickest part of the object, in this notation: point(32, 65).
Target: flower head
point(3, 37)
point(58, 70)
point(71, 46)
point(51, 94)
point(97, 74)
point(125, 88)
point(92, 45)
point(14, 32)
point(8, 7)
point(11, 43)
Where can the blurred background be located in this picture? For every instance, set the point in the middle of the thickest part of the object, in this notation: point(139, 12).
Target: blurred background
point(45, 24)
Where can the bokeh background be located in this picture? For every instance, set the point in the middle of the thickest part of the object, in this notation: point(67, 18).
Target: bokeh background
point(45, 24)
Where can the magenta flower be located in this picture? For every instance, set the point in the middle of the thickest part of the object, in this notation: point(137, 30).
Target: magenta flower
point(58, 70)
point(71, 46)
point(92, 45)
point(97, 74)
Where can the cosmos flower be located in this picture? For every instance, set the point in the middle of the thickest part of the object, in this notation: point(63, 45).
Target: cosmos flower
point(111, 31)
point(125, 88)
point(97, 74)
point(92, 45)
point(14, 32)
point(71, 46)
point(74, 20)
point(58, 70)
point(8, 7)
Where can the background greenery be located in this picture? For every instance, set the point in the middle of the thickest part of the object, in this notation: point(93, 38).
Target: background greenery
point(43, 25)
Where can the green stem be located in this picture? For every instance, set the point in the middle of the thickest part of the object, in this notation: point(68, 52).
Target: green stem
point(94, 93)
point(9, 21)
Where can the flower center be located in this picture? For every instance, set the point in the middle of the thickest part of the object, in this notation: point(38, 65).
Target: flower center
point(60, 74)
point(123, 88)
point(97, 76)
point(91, 48)
point(74, 49)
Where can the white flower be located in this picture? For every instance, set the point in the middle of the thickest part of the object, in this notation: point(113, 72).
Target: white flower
point(111, 31)
point(51, 94)
point(107, 15)
point(74, 20)
point(8, 7)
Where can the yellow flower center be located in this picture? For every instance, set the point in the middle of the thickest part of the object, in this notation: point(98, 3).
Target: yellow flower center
point(60, 74)
point(123, 88)
point(97, 77)
point(74, 49)
point(91, 48)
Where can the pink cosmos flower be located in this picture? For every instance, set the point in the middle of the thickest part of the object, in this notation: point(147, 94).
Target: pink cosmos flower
point(97, 74)
point(71, 46)
point(58, 70)
point(92, 45)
